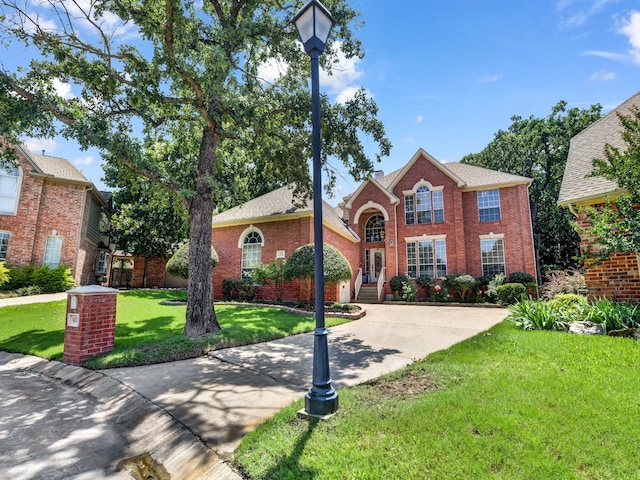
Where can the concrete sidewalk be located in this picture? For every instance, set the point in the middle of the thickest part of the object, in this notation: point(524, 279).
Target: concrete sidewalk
point(61, 421)
point(26, 300)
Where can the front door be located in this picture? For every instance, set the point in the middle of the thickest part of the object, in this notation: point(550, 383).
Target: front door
point(376, 263)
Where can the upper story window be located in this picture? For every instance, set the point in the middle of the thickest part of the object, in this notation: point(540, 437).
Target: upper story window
point(9, 190)
point(423, 206)
point(4, 245)
point(374, 229)
point(489, 205)
point(251, 252)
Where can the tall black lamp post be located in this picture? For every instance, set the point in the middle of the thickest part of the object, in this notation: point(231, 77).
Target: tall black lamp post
point(314, 22)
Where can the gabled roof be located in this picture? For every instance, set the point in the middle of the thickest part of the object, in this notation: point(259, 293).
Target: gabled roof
point(56, 167)
point(422, 153)
point(576, 186)
point(376, 182)
point(280, 205)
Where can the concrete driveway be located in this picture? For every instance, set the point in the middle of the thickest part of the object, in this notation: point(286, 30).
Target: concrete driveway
point(222, 396)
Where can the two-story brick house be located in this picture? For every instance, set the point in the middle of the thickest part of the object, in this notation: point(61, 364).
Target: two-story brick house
point(424, 219)
point(50, 214)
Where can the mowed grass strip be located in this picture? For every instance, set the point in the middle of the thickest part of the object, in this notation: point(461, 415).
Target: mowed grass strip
point(148, 331)
point(508, 405)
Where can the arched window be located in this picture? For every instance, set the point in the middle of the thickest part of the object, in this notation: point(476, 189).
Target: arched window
point(374, 229)
point(251, 253)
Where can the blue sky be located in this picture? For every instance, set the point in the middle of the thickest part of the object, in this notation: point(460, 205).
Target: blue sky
point(448, 74)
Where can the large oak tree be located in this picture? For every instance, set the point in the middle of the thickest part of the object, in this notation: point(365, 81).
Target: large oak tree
point(174, 90)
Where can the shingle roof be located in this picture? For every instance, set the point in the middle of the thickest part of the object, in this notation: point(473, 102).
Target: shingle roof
point(275, 204)
point(586, 146)
point(58, 167)
point(476, 177)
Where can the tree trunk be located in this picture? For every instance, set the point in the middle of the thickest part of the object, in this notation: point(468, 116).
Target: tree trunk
point(201, 316)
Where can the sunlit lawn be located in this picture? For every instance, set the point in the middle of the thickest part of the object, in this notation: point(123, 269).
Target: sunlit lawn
point(146, 330)
point(509, 405)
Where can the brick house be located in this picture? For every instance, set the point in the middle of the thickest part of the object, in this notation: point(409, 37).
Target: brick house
point(424, 219)
point(50, 214)
point(618, 277)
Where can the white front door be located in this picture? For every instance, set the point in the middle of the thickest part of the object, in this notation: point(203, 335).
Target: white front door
point(376, 263)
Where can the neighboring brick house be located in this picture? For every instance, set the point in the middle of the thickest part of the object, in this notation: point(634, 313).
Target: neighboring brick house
point(618, 277)
point(50, 214)
point(425, 219)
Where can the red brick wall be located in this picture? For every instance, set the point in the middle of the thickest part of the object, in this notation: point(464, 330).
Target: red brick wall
point(617, 278)
point(155, 272)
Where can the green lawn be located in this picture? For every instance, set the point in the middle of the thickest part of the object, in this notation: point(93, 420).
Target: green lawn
point(509, 405)
point(147, 331)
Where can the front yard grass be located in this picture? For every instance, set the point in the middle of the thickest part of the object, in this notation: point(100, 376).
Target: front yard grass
point(504, 405)
point(146, 330)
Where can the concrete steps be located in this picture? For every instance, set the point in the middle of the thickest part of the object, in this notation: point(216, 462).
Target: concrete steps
point(368, 294)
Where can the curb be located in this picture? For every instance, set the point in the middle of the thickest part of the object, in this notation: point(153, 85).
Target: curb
point(151, 430)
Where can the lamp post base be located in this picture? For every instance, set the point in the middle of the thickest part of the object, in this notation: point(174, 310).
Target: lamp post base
point(321, 405)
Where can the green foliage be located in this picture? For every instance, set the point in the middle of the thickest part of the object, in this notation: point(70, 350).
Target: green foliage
point(178, 264)
point(426, 283)
point(615, 225)
point(537, 148)
point(466, 285)
point(30, 290)
point(301, 264)
point(4, 274)
point(568, 301)
point(563, 281)
point(492, 287)
point(19, 277)
point(510, 293)
point(440, 293)
point(271, 275)
point(408, 291)
point(521, 277)
point(397, 282)
point(51, 280)
point(241, 289)
point(614, 315)
point(536, 315)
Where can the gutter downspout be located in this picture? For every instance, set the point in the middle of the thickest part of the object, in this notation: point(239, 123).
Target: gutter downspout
point(395, 219)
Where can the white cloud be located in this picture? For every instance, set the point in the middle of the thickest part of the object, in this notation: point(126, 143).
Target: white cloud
point(344, 73)
point(38, 145)
point(419, 118)
point(88, 160)
point(489, 79)
point(63, 89)
point(603, 76)
point(271, 70)
point(603, 54)
point(576, 17)
point(408, 140)
point(631, 28)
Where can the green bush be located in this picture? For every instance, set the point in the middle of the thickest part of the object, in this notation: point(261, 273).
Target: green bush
point(521, 277)
point(178, 264)
point(571, 301)
point(426, 283)
point(31, 290)
point(4, 274)
point(242, 289)
point(537, 315)
point(51, 280)
point(19, 277)
point(563, 281)
point(614, 315)
point(466, 285)
point(510, 293)
point(397, 282)
point(408, 291)
point(271, 275)
point(492, 287)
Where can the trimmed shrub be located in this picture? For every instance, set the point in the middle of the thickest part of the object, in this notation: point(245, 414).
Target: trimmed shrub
point(492, 287)
point(397, 282)
point(466, 285)
point(178, 264)
point(51, 280)
point(568, 300)
point(19, 277)
point(241, 289)
point(426, 283)
point(511, 293)
point(521, 277)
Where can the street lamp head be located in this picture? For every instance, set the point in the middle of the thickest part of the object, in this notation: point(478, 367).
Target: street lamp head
point(314, 23)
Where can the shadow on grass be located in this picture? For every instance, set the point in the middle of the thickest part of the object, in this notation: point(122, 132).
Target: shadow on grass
point(289, 467)
point(43, 343)
point(155, 294)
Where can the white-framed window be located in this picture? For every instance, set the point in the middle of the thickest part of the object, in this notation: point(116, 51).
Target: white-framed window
point(426, 257)
point(489, 205)
point(9, 190)
point(102, 262)
point(52, 251)
point(492, 250)
point(4, 245)
point(423, 205)
point(374, 229)
point(251, 252)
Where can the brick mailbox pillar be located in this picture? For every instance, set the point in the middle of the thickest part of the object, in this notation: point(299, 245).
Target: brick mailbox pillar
point(91, 323)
